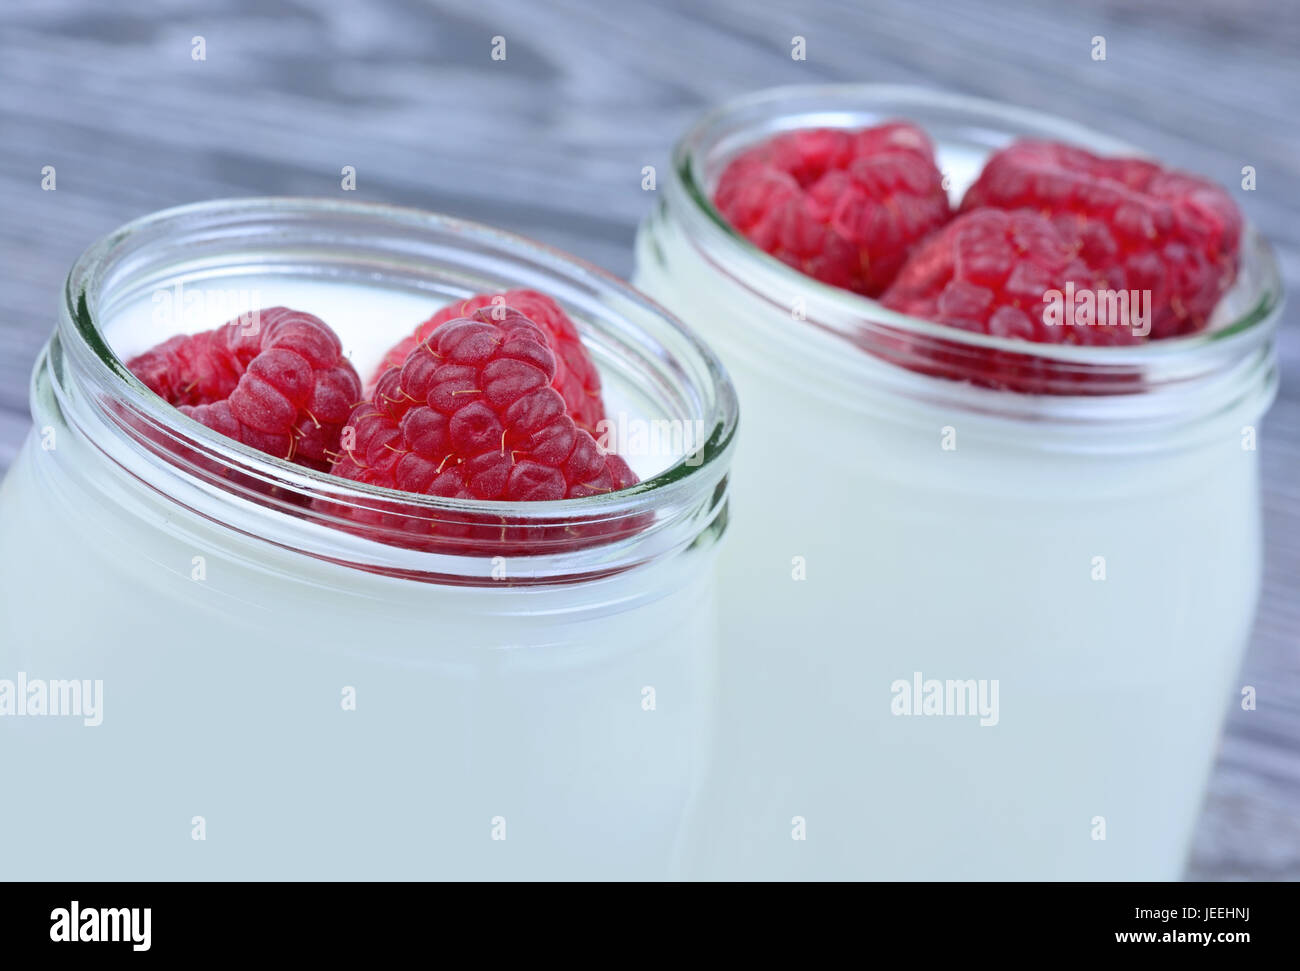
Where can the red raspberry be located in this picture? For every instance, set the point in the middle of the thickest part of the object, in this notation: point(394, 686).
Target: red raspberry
point(576, 377)
point(843, 207)
point(473, 414)
point(989, 271)
point(276, 380)
point(1140, 226)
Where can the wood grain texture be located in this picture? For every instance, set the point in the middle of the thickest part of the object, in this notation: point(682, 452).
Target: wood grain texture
point(551, 142)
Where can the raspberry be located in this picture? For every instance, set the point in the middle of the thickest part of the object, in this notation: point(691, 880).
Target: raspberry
point(843, 207)
point(276, 381)
point(576, 377)
point(989, 271)
point(473, 414)
point(1138, 225)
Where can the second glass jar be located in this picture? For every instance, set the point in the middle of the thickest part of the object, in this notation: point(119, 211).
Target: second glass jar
point(1070, 577)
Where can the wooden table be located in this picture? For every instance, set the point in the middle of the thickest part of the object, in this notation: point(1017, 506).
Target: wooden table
point(551, 141)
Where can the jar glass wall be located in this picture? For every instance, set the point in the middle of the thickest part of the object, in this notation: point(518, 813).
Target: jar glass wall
point(1077, 567)
point(338, 702)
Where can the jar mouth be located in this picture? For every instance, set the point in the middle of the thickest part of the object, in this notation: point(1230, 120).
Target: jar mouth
point(371, 526)
point(965, 131)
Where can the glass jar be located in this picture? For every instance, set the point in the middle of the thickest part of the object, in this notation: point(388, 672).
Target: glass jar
point(285, 698)
point(1078, 566)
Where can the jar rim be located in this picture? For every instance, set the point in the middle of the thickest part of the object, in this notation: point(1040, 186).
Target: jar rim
point(749, 118)
point(686, 483)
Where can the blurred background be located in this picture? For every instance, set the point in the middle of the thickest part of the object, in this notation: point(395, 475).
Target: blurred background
point(551, 141)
